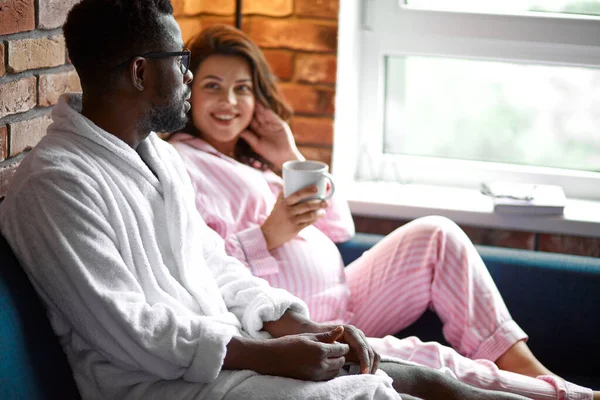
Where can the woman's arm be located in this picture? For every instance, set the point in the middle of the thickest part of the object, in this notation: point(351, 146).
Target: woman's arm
point(247, 245)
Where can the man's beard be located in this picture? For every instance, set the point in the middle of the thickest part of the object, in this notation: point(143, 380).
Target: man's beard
point(167, 117)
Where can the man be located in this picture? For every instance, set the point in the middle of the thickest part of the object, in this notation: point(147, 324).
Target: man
point(138, 288)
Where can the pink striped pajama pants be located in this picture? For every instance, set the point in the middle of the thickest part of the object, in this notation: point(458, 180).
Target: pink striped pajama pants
point(430, 262)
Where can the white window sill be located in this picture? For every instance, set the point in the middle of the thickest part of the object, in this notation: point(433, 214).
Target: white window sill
point(466, 206)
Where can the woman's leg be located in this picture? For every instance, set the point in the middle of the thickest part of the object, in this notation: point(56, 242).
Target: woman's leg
point(430, 262)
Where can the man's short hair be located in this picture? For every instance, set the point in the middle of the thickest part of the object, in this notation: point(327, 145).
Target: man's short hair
point(102, 34)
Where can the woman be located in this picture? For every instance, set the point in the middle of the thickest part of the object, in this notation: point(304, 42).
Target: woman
point(235, 141)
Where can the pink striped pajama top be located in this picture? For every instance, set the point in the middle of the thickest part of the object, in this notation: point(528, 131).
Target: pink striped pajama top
point(235, 199)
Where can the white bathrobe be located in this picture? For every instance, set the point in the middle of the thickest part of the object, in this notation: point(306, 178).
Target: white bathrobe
point(138, 288)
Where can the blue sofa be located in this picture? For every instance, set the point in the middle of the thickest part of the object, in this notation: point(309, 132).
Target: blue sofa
point(553, 297)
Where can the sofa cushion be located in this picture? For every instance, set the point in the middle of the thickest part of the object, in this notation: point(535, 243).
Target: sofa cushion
point(554, 298)
point(32, 363)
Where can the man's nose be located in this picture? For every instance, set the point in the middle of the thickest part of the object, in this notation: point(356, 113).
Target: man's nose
point(188, 77)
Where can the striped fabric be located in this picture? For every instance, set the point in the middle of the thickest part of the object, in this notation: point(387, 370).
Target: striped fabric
point(235, 200)
point(428, 263)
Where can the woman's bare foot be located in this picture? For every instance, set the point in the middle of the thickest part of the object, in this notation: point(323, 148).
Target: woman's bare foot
point(521, 360)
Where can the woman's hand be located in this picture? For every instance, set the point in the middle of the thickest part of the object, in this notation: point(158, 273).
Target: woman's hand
point(307, 356)
point(289, 216)
point(271, 137)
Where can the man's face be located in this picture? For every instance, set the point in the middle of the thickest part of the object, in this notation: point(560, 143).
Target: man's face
point(168, 103)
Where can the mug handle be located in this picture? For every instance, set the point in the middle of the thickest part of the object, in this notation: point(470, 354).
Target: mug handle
point(332, 189)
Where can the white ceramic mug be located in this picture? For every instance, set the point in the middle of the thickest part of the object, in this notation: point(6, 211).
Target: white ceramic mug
point(300, 174)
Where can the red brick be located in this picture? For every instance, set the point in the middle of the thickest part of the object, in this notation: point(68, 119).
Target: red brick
point(53, 13)
point(318, 8)
point(7, 170)
point(26, 134)
point(316, 68)
point(190, 27)
point(2, 70)
point(218, 7)
point(178, 6)
point(16, 16)
point(380, 226)
point(490, 237)
point(281, 63)
point(3, 143)
point(17, 96)
point(53, 85)
point(316, 153)
point(271, 8)
point(313, 130)
point(292, 34)
point(311, 100)
point(582, 246)
point(501, 238)
point(42, 52)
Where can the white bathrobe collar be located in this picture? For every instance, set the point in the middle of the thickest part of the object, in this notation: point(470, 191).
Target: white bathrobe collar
point(67, 117)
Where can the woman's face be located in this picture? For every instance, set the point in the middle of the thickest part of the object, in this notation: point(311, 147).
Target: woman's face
point(222, 99)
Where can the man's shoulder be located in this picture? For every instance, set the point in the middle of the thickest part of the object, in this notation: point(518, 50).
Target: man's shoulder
point(54, 157)
point(47, 167)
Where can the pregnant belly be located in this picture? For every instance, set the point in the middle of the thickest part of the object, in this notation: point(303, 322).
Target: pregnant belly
point(311, 268)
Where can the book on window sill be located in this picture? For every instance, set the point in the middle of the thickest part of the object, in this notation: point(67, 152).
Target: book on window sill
point(525, 199)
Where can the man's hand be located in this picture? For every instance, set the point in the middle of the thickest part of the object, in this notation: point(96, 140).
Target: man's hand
point(289, 217)
point(292, 323)
point(271, 137)
point(360, 351)
point(307, 356)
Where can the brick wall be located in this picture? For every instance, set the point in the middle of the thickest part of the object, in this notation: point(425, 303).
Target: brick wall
point(34, 71)
point(299, 38)
point(584, 246)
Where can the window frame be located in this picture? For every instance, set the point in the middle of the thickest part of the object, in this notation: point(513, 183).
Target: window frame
point(371, 29)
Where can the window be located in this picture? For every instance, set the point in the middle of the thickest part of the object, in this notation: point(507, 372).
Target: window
point(583, 7)
point(522, 114)
point(456, 93)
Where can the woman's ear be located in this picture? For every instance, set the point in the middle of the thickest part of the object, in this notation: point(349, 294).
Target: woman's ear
point(137, 73)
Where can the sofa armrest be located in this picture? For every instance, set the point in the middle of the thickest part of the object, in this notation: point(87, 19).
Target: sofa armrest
point(553, 297)
point(32, 363)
